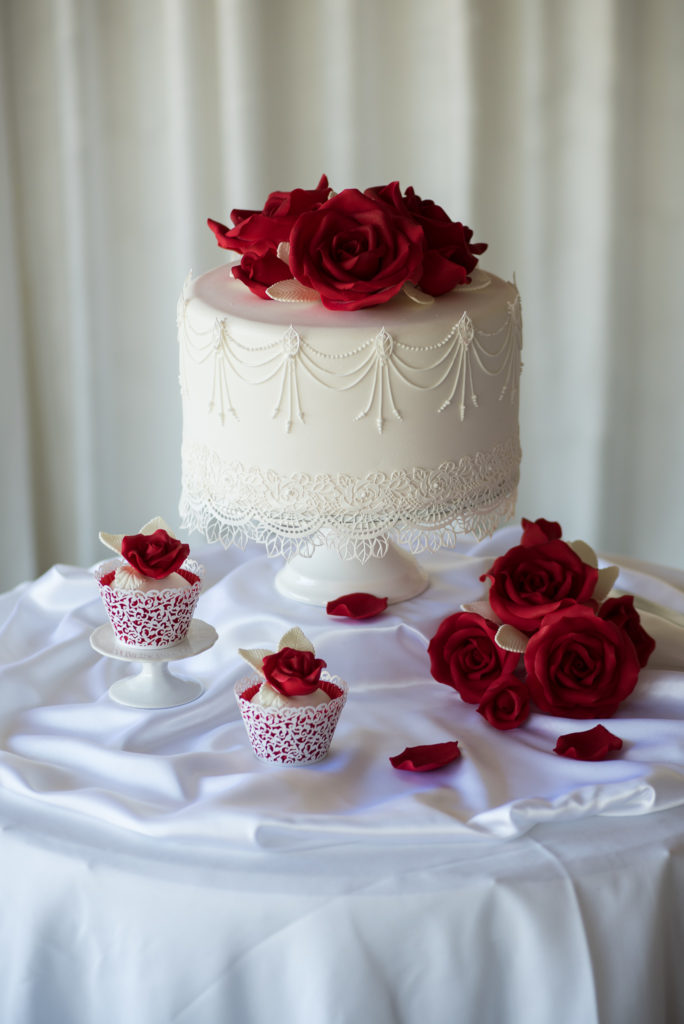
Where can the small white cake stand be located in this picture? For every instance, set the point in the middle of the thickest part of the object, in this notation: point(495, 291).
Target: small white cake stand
point(154, 686)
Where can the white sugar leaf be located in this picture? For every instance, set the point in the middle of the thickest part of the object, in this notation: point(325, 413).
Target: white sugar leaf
point(283, 252)
point(417, 294)
point(291, 291)
point(296, 639)
point(605, 582)
point(508, 638)
point(113, 541)
point(255, 657)
point(156, 524)
point(482, 608)
point(583, 551)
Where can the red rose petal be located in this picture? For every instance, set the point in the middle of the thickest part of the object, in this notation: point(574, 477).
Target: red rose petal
point(357, 606)
point(590, 745)
point(539, 531)
point(426, 758)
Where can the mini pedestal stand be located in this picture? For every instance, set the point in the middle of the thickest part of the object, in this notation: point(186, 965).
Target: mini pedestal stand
point(154, 686)
point(326, 575)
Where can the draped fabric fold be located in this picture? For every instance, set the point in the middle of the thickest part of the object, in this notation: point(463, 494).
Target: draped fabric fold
point(554, 130)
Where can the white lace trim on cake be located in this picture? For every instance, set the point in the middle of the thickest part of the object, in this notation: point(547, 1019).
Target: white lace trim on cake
point(424, 509)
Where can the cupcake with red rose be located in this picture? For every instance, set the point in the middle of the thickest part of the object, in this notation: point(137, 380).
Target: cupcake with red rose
point(292, 707)
point(151, 590)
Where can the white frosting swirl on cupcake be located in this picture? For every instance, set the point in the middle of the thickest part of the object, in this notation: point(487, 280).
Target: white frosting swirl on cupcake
point(128, 578)
point(267, 697)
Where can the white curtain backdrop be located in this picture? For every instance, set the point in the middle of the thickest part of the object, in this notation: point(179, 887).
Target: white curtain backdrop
point(555, 129)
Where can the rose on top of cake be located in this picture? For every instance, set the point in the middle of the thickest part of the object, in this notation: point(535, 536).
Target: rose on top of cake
point(350, 249)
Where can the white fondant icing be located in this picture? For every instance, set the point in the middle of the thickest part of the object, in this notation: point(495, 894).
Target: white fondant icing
point(341, 427)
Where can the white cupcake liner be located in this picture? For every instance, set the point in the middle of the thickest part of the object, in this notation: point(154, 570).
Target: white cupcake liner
point(291, 735)
point(151, 619)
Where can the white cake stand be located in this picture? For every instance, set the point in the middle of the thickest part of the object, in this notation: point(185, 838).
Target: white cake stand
point(154, 686)
point(325, 575)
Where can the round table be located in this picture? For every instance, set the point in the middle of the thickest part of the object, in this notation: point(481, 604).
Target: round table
point(153, 871)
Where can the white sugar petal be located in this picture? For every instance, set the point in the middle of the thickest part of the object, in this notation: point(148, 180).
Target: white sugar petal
point(291, 291)
point(482, 608)
point(417, 294)
point(255, 657)
point(583, 551)
point(296, 639)
point(156, 524)
point(508, 638)
point(283, 252)
point(113, 541)
point(605, 583)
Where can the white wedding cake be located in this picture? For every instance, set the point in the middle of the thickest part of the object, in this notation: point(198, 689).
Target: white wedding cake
point(338, 415)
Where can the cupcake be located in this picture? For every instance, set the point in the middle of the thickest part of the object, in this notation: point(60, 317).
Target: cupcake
point(292, 707)
point(150, 593)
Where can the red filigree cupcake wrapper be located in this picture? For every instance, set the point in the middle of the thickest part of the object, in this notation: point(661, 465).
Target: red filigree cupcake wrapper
point(293, 735)
point(152, 619)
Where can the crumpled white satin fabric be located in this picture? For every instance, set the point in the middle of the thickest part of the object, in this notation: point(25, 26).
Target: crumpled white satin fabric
point(188, 773)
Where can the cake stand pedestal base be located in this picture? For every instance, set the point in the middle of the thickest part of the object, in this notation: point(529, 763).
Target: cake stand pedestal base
point(154, 686)
point(325, 576)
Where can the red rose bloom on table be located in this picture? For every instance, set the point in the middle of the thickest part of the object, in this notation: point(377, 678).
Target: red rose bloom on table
point(293, 673)
point(355, 252)
point(463, 654)
point(506, 703)
point(155, 555)
point(621, 611)
point(530, 582)
point(450, 255)
point(579, 665)
point(539, 532)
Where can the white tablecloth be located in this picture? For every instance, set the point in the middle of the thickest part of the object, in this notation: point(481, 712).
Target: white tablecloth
point(153, 871)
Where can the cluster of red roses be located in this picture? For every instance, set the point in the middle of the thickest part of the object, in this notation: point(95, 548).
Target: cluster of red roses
point(581, 654)
point(353, 248)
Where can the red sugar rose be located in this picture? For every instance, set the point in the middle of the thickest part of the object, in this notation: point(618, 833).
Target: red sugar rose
point(530, 582)
point(579, 665)
point(450, 256)
point(355, 251)
point(506, 704)
point(260, 272)
point(426, 758)
point(463, 654)
point(293, 673)
point(258, 232)
point(539, 531)
point(155, 555)
point(622, 612)
point(592, 745)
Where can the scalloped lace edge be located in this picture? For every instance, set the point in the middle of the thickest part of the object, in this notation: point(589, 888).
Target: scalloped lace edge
point(422, 509)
